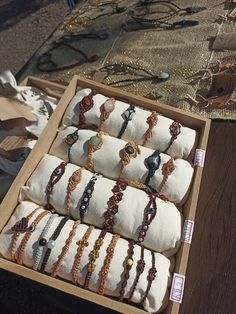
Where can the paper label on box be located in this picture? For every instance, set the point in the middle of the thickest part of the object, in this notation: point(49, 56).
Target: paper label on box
point(199, 157)
point(177, 289)
point(187, 231)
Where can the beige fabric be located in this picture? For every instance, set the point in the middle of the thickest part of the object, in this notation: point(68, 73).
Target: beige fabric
point(157, 298)
point(107, 161)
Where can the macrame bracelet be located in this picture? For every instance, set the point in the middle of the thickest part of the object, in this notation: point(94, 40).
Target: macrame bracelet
point(107, 263)
point(106, 109)
point(139, 270)
point(31, 229)
point(81, 246)
point(152, 122)
point(95, 143)
point(150, 277)
point(153, 163)
point(136, 184)
point(149, 214)
point(73, 181)
point(131, 150)
point(19, 227)
point(113, 205)
point(85, 105)
point(127, 115)
point(54, 178)
point(65, 249)
point(70, 140)
point(174, 132)
point(167, 170)
point(51, 243)
point(129, 263)
point(42, 241)
point(94, 255)
point(85, 199)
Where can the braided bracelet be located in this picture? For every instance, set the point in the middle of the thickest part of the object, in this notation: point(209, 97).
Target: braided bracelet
point(127, 115)
point(70, 140)
point(31, 229)
point(73, 181)
point(167, 170)
point(85, 105)
point(129, 263)
point(174, 132)
point(42, 241)
point(19, 227)
point(65, 249)
point(87, 195)
point(54, 178)
point(95, 143)
point(106, 109)
point(150, 277)
point(94, 255)
point(81, 246)
point(139, 270)
point(113, 202)
point(107, 263)
point(149, 214)
point(152, 122)
point(131, 150)
point(153, 163)
point(51, 243)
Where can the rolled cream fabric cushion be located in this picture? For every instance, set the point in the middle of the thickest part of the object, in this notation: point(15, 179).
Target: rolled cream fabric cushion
point(182, 146)
point(107, 161)
point(164, 233)
point(157, 298)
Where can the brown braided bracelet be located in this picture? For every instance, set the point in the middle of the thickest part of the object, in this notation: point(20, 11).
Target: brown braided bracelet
point(149, 214)
point(65, 249)
point(128, 264)
point(167, 170)
point(131, 150)
point(139, 270)
point(54, 178)
point(81, 246)
point(152, 122)
point(19, 227)
point(73, 181)
point(174, 132)
point(150, 277)
point(106, 109)
point(94, 255)
point(113, 205)
point(107, 263)
point(95, 143)
point(85, 105)
point(20, 253)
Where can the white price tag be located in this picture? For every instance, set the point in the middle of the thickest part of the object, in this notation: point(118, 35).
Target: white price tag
point(188, 231)
point(199, 157)
point(177, 288)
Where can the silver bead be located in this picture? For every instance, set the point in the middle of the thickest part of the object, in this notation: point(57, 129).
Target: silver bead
point(51, 244)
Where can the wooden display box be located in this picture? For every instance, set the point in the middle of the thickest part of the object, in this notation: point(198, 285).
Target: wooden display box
point(202, 125)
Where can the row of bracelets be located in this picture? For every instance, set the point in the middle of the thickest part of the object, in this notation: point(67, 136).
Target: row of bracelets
point(44, 248)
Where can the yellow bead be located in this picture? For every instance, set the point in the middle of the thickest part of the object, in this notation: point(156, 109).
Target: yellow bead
point(130, 262)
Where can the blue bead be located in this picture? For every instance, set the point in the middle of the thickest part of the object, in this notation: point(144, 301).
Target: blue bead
point(57, 172)
point(31, 228)
point(151, 210)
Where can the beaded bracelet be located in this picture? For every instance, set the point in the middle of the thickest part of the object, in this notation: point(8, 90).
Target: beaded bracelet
point(51, 243)
point(106, 109)
point(73, 181)
point(85, 105)
point(87, 195)
point(129, 263)
point(107, 263)
point(149, 214)
point(42, 241)
point(19, 227)
point(174, 132)
point(81, 246)
point(65, 249)
point(168, 168)
point(152, 122)
point(139, 270)
point(70, 140)
point(20, 253)
point(153, 163)
point(94, 255)
point(131, 150)
point(54, 178)
point(112, 203)
point(127, 115)
point(95, 143)
point(150, 277)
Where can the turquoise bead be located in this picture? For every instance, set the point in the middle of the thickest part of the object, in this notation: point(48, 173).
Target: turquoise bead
point(94, 141)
